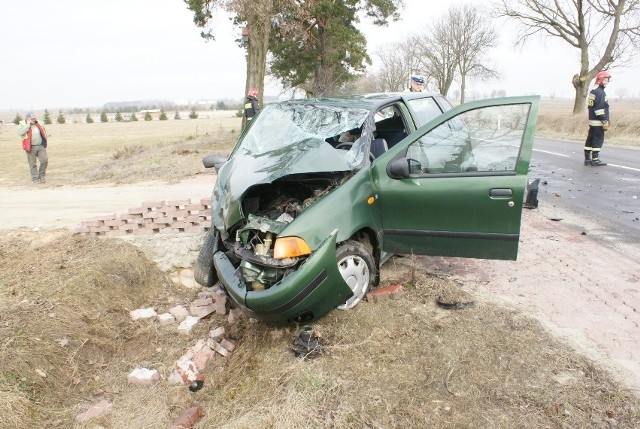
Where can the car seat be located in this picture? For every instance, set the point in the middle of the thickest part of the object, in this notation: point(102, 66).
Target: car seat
point(378, 147)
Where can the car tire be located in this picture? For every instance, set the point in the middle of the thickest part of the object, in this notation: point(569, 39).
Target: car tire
point(357, 267)
point(204, 272)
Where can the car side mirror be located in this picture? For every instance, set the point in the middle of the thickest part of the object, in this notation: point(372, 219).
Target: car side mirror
point(398, 168)
point(214, 160)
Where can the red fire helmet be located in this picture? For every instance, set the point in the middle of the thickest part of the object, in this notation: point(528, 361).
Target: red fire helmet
point(601, 76)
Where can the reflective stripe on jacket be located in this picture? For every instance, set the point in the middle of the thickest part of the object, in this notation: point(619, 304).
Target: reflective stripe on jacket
point(598, 106)
point(251, 106)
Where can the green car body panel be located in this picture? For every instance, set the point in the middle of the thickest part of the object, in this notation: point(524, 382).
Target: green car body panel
point(475, 213)
point(314, 290)
point(463, 215)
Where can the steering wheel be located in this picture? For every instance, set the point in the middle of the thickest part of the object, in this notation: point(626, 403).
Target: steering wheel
point(344, 145)
point(347, 146)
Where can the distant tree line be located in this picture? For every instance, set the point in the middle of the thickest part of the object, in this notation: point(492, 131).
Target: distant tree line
point(128, 114)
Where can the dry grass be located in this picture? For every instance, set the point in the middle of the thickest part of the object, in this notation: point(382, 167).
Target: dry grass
point(120, 152)
point(556, 121)
point(401, 363)
point(67, 337)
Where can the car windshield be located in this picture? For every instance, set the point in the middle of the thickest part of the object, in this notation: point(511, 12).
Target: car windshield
point(307, 126)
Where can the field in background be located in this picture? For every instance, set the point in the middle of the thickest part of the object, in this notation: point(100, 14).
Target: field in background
point(557, 121)
point(120, 152)
point(125, 152)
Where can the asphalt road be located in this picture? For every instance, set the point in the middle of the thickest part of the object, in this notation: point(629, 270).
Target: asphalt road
point(607, 198)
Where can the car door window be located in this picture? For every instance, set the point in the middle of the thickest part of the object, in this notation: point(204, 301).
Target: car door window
point(424, 110)
point(483, 140)
point(389, 125)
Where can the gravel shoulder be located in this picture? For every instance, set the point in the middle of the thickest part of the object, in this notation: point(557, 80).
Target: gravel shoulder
point(45, 206)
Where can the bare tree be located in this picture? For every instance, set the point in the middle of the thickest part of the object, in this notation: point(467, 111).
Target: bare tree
point(472, 36)
point(605, 32)
point(622, 93)
point(454, 47)
point(396, 66)
point(435, 52)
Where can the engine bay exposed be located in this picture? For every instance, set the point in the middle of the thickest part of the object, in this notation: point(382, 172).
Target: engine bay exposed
point(268, 209)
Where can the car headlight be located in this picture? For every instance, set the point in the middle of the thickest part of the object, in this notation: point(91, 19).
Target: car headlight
point(290, 247)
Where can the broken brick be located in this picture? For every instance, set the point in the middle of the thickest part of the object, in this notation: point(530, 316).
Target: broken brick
point(188, 417)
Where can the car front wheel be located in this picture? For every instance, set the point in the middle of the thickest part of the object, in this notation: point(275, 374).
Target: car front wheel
point(357, 268)
point(204, 273)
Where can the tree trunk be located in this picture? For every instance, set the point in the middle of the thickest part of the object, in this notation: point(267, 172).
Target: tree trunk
point(463, 85)
point(259, 24)
point(320, 74)
point(581, 87)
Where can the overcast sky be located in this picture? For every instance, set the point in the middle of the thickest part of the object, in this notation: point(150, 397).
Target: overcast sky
point(84, 53)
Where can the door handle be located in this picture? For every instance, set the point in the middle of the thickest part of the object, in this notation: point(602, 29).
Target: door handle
point(501, 193)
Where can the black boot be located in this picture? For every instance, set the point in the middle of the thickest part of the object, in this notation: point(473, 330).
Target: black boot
point(587, 157)
point(596, 161)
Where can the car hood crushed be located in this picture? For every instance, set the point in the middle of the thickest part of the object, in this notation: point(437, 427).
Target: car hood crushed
point(284, 141)
point(243, 171)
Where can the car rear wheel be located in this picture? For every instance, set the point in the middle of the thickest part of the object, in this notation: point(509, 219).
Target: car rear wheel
point(357, 268)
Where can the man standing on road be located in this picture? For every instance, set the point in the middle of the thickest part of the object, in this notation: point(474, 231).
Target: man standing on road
point(598, 106)
point(34, 143)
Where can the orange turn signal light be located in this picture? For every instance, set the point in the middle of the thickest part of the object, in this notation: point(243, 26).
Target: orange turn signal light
point(290, 247)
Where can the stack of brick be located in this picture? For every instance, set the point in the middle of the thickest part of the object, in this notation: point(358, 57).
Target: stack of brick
point(153, 218)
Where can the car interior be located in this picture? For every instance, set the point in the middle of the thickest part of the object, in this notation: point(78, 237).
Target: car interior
point(389, 129)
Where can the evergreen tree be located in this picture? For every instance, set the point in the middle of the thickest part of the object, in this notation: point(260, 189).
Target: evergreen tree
point(47, 117)
point(103, 117)
point(118, 117)
point(316, 47)
point(177, 115)
point(147, 116)
point(89, 119)
point(60, 119)
point(193, 114)
point(163, 115)
point(17, 119)
point(133, 118)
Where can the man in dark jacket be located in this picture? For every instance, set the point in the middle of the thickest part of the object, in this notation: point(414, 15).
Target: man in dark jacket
point(598, 106)
point(251, 105)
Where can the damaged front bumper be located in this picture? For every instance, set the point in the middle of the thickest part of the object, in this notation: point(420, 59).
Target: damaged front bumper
point(306, 294)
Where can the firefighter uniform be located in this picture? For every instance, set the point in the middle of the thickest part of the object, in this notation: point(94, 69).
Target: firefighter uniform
point(598, 106)
point(251, 107)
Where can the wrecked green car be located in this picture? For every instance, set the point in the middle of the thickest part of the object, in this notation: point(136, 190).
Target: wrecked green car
point(317, 194)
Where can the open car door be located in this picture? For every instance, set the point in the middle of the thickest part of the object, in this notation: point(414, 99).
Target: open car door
point(455, 187)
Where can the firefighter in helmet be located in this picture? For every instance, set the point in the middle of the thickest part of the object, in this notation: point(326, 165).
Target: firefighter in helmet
point(251, 105)
point(598, 106)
